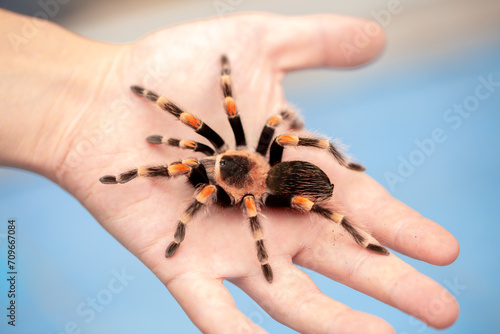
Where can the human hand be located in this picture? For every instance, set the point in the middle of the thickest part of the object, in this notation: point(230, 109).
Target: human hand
point(182, 63)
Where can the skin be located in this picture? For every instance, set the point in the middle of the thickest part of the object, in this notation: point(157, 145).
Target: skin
point(68, 114)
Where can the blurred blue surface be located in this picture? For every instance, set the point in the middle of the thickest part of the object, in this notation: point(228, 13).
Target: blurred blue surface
point(65, 257)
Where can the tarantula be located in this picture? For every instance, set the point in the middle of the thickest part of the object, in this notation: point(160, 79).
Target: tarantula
point(241, 177)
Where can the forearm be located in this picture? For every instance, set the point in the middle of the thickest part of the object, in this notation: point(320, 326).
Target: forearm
point(47, 77)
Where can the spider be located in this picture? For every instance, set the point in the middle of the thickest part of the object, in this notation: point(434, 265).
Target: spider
point(242, 177)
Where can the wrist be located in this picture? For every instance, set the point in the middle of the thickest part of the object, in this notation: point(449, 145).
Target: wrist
point(46, 91)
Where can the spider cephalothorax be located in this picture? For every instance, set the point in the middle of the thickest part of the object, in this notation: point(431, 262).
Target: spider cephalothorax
point(241, 177)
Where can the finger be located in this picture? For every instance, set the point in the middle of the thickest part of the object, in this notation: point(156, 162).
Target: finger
point(209, 305)
point(294, 300)
point(386, 278)
point(324, 40)
point(393, 223)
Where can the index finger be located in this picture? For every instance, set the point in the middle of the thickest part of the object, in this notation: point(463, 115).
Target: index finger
point(393, 223)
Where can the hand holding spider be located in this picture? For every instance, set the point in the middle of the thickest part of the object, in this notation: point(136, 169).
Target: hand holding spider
point(143, 215)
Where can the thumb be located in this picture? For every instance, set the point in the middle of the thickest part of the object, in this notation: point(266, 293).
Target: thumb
point(324, 40)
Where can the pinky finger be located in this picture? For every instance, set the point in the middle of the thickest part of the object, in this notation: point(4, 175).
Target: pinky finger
point(209, 305)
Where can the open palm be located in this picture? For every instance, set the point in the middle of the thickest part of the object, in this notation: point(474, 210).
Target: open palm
point(182, 63)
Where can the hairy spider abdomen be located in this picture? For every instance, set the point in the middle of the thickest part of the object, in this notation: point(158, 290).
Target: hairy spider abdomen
point(299, 178)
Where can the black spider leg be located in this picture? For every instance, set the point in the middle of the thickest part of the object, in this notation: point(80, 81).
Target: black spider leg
point(267, 133)
point(173, 169)
point(250, 209)
point(303, 204)
point(296, 122)
point(184, 144)
point(200, 127)
point(201, 199)
point(279, 143)
point(198, 178)
point(229, 105)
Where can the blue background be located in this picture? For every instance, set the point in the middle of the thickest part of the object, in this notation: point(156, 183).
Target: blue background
point(65, 256)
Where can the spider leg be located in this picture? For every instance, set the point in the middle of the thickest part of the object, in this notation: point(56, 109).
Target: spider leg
point(303, 204)
point(186, 118)
point(279, 143)
point(201, 199)
point(269, 128)
point(174, 169)
point(290, 115)
point(250, 209)
point(184, 144)
point(229, 105)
